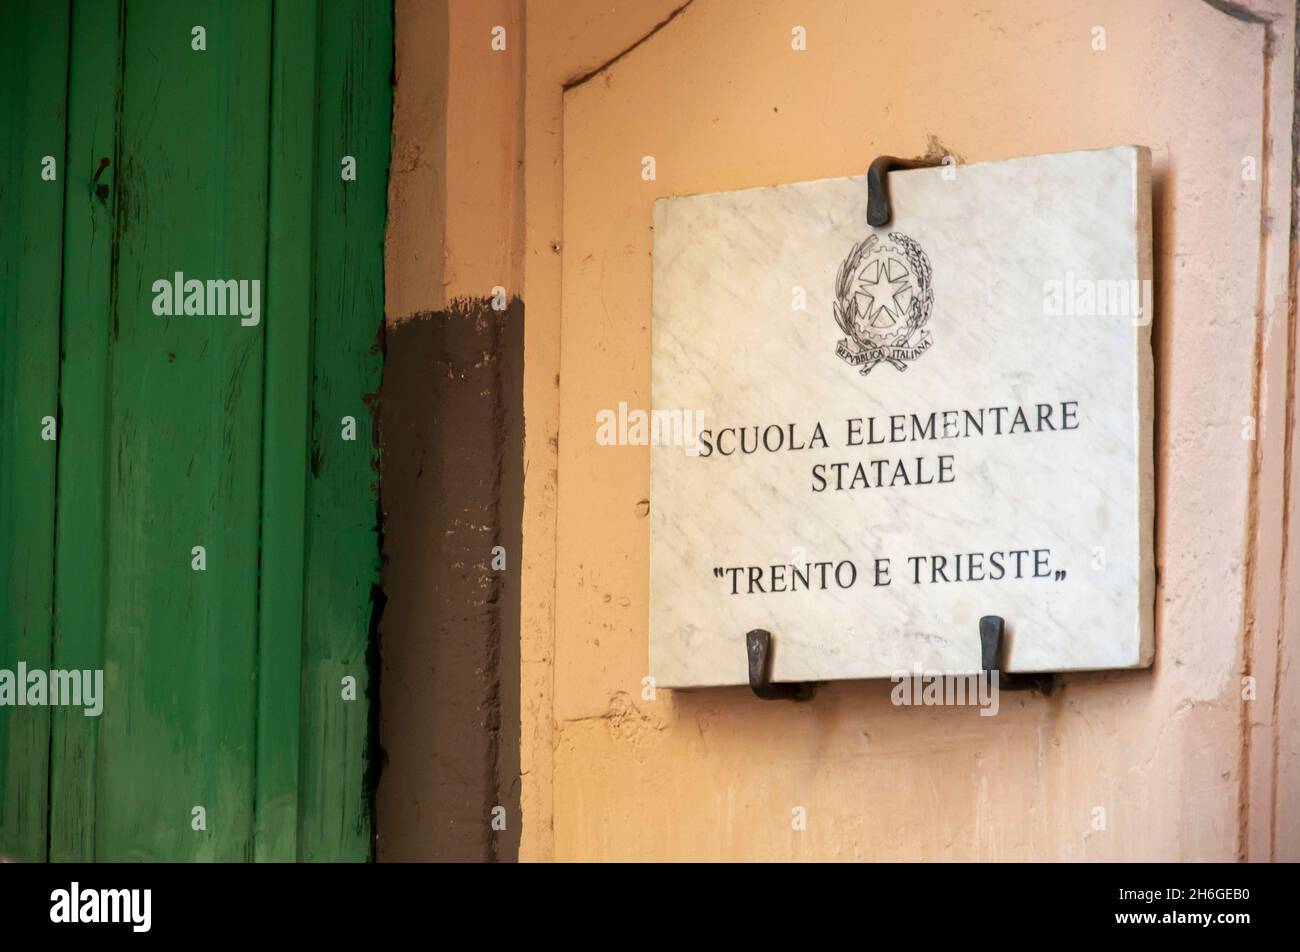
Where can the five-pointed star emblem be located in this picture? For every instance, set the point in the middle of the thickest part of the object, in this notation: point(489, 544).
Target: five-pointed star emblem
point(879, 286)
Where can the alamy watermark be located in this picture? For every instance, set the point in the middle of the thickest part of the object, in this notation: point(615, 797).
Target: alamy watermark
point(78, 904)
point(215, 297)
point(638, 427)
point(1090, 297)
point(946, 688)
point(54, 688)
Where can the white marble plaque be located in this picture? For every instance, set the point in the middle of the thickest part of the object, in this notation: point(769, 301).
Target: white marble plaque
point(906, 428)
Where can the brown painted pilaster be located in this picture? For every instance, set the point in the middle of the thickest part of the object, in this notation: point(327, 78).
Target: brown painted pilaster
point(451, 418)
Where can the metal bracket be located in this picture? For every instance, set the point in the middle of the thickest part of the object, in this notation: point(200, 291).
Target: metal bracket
point(992, 629)
point(758, 649)
point(879, 212)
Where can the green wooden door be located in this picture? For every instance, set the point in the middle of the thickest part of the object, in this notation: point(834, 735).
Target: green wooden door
point(188, 502)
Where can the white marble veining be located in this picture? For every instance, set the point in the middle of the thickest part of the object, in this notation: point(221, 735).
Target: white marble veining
point(1014, 250)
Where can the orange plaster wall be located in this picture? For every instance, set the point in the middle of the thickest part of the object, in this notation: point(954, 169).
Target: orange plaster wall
point(1181, 765)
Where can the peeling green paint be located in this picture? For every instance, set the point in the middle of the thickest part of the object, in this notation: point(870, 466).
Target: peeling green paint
point(223, 686)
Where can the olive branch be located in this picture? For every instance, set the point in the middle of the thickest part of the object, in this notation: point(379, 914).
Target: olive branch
point(845, 307)
point(919, 310)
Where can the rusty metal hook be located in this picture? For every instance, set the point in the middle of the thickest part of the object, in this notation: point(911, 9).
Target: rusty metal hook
point(758, 649)
point(879, 212)
point(992, 630)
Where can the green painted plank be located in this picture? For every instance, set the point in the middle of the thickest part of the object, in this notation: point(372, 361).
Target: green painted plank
point(94, 76)
point(33, 76)
point(356, 49)
point(184, 440)
point(286, 427)
point(223, 687)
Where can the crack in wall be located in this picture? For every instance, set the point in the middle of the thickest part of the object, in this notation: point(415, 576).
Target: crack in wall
point(583, 77)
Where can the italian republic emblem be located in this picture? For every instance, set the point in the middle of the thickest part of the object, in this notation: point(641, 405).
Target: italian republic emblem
point(882, 302)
